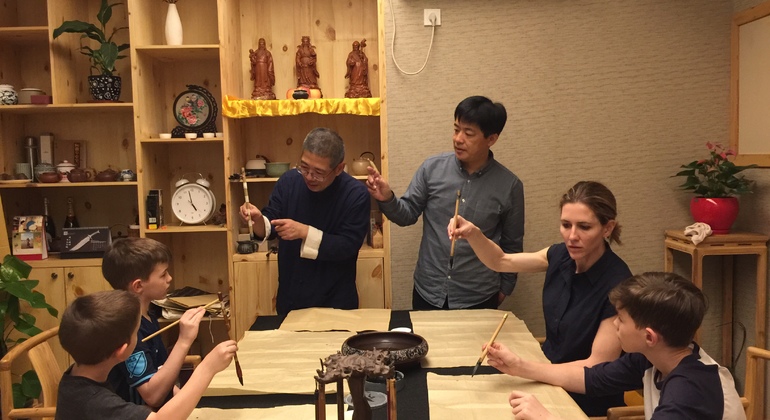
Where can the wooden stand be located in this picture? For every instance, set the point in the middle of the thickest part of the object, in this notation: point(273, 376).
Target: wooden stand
point(728, 246)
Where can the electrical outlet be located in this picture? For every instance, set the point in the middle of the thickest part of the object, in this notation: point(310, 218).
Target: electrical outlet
point(429, 13)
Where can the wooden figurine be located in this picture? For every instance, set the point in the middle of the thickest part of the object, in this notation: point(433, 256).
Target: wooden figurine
point(358, 72)
point(307, 73)
point(262, 72)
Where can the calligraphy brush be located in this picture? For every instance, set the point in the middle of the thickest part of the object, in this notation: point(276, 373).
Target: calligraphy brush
point(246, 195)
point(174, 323)
point(238, 370)
point(491, 340)
point(454, 222)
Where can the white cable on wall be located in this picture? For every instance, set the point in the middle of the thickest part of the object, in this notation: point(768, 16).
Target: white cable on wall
point(393, 41)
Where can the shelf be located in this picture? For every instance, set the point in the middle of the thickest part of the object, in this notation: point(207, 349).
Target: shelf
point(183, 140)
point(55, 261)
point(186, 229)
point(173, 53)
point(24, 34)
point(248, 108)
point(269, 179)
point(92, 184)
point(64, 108)
point(365, 252)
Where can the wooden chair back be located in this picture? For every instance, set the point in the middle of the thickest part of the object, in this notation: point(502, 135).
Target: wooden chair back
point(47, 368)
point(754, 391)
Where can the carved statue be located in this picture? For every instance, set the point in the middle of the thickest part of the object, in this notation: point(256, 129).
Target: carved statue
point(355, 368)
point(307, 74)
point(358, 72)
point(262, 72)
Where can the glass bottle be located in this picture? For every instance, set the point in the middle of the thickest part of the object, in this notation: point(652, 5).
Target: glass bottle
point(71, 221)
point(50, 226)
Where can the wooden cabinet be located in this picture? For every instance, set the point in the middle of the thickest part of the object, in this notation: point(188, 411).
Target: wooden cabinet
point(217, 38)
point(61, 281)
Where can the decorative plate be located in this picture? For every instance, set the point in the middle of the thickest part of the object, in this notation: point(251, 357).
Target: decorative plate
point(193, 108)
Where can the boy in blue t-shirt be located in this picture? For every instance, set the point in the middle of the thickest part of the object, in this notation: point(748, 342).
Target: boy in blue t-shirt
point(140, 266)
point(658, 315)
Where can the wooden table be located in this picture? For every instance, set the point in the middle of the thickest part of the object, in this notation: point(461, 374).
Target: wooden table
point(729, 245)
point(413, 400)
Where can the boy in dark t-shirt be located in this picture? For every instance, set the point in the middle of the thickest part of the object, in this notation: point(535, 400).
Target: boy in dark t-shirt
point(98, 336)
point(658, 315)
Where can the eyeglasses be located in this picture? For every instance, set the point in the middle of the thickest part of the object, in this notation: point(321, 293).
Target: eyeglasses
point(315, 175)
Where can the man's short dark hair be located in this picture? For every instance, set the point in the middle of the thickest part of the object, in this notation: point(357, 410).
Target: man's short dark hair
point(96, 325)
point(489, 116)
point(129, 259)
point(666, 302)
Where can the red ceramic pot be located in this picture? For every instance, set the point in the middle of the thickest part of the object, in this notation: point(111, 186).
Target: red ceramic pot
point(719, 213)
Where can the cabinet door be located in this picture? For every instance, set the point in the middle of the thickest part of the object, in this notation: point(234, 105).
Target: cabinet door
point(255, 287)
point(369, 282)
point(52, 287)
point(82, 281)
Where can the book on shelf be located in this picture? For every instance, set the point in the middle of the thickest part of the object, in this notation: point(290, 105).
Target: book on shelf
point(28, 239)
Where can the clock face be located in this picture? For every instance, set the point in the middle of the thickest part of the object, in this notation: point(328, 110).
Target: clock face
point(193, 203)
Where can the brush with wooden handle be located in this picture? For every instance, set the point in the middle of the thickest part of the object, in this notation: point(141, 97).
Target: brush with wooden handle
point(238, 370)
point(246, 199)
point(174, 323)
point(491, 340)
point(454, 221)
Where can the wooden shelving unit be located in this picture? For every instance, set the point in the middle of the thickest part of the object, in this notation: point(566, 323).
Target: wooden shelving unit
point(125, 135)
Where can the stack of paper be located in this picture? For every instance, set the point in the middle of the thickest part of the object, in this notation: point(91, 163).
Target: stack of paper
point(174, 307)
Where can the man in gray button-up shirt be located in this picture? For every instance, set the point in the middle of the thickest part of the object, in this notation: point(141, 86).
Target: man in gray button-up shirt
point(492, 197)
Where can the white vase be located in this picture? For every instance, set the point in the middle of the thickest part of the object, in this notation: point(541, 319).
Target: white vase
point(174, 32)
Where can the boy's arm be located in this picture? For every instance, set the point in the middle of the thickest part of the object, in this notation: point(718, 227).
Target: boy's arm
point(526, 407)
point(569, 377)
point(155, 391)
point(181, 406)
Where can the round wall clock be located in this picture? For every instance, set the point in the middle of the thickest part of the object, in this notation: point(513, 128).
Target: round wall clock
point(195, 109)
point(193, 202)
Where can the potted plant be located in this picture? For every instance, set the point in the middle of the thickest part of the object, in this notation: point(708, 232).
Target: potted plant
point(715, 182)
point(15, 288)
point(105, 86)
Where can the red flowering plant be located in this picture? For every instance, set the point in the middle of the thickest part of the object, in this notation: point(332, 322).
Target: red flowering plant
point(715, 176)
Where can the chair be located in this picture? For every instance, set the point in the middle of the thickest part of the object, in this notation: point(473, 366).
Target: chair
point(44, 363)
point(754, 391)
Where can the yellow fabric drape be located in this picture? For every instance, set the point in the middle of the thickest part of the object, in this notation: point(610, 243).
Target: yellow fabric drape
point(233, 107)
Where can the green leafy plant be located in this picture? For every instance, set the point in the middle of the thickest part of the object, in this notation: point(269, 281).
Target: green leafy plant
point(716, 176)
point(15, 288)
point(104, 57)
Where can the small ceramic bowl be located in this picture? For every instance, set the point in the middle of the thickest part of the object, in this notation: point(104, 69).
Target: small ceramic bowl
point(208, 135)
point(191, 136)
point(276, 169)
point(220, 134)
point(165, 135)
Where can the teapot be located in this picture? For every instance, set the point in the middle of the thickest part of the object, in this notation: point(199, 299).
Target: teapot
point(359, 165)
point(78, 175)
point(257, 167)
point(107, 175)
point(48, 177)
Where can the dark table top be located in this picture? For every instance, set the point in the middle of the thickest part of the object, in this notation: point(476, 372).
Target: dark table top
point(411, 400)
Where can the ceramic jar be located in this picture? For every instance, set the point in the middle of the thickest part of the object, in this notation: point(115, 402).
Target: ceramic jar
point(25, 95)
point(8, 95)
point(43, 167)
